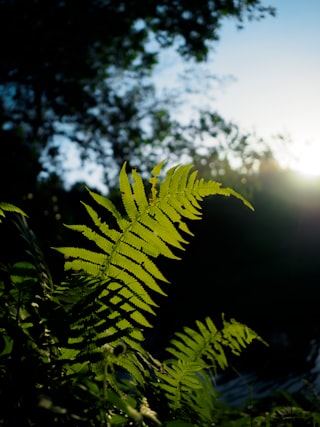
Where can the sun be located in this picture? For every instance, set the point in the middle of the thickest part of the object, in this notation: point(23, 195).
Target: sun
point(307, 159)
point(309, 164)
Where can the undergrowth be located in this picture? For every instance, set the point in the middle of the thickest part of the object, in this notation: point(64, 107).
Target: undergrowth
point(72, 353)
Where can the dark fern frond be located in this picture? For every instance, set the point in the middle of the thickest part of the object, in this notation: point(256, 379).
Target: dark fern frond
point(26, 302)
point(95, 319)
point(37, 256)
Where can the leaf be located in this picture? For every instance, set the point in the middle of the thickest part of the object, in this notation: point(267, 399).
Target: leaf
point(8, 207)
point(127, 194)
point(197, 353)
point(115, 277)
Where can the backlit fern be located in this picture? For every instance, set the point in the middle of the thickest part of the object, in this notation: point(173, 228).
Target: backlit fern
point(8, 207)
point(188, 378)
point(122, 265)
point(91, 346)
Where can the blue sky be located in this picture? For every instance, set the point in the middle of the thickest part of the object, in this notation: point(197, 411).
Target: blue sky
point(275, 89)
point(276, 63)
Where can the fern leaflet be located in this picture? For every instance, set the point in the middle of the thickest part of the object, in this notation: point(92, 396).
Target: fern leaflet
point(197, 355)
point(8, 207)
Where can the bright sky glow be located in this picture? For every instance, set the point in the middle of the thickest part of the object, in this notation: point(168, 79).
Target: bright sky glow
point(276, 63)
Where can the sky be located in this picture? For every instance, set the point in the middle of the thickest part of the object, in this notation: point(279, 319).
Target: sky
point(276, 65)
point(271, 74)
point(267, 81)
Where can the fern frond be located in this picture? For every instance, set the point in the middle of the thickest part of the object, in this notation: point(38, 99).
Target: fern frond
point(153, 226)
point(208, 343)
point(197, 355)
point(36, 254)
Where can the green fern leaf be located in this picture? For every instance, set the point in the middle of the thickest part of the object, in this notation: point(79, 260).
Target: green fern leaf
point(128, 197)
point(8, 207)
point(120, 275)
point(100, 240)
point(197, 354)
point(139, 192)
point(109, 206)
point(106, 231)
point(154, 180)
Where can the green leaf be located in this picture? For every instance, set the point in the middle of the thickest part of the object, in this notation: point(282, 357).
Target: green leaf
point(113, 285)
point(8, 207)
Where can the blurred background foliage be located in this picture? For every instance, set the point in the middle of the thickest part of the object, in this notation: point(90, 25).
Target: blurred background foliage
point(81, 72)
point(76, 83)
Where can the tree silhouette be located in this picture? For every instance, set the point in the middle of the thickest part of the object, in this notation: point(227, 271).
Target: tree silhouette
point(77, 69)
